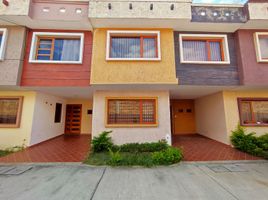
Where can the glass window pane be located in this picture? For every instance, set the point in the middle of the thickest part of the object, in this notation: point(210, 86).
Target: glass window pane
point(194, 50)
point(1, 36)
point(43, 57)
point(264, 46)
point(125, 47)
point(215, 51)
point(149, 48)
point(46, 52)
point(67, 50)
point(246, 113)
point(8, 111)
point(148, 111)
point(260, 111)
point(124, 112)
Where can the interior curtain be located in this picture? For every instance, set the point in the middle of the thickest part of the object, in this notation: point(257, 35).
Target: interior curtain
point(194, 51)
point(125, 47)
point(70, 50)
point(215, 51)
point(149, 48)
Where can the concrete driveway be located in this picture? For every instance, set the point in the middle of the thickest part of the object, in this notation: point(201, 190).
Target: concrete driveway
point(222, 180)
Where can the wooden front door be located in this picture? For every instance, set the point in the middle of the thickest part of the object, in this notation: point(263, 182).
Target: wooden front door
point(73, 119)
point(183, 117)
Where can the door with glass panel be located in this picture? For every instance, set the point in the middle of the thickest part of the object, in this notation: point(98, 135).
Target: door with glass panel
point(73, 119)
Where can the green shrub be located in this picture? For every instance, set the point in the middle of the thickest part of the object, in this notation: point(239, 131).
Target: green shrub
point(166, 157)
point(263, 141)
point(102, 142)
point(242, 141)
point(141, 147)
point(115, 157)
point(250, 143)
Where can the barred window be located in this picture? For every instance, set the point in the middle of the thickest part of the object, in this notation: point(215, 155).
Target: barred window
point(253, 111)
point(10, 112)
point(131, 111)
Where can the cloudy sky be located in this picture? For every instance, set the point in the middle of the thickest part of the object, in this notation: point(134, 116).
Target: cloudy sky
point(219, 1)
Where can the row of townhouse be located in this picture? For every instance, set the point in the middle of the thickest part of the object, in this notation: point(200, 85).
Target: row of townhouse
point(145, 69)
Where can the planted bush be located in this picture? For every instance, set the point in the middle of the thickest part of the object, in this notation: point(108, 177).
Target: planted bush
point(141, 147)
point(166, 157)
point(102, 142)
point(250, 143)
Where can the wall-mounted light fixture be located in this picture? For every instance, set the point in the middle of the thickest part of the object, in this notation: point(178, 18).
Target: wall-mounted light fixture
point(130, 6)
point(109, 6)
point(172, 7)
point(151, 6)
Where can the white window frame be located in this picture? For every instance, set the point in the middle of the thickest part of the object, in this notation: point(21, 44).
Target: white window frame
point(3, 43)
point(212, 36)
point(127, 33)
point(258, 47)
point(55, 34)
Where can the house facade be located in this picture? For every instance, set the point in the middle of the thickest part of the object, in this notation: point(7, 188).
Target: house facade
point(147, 70)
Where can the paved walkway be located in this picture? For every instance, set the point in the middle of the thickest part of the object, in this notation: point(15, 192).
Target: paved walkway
point(75, 149)
point(206, 181)
point(60, 149)
point(200, 148)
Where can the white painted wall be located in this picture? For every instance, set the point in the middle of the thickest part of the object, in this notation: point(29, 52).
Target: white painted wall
point(43, 127)
point(128, 135)
point(210, 117)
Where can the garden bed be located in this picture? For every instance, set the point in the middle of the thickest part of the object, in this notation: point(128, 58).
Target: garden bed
point(104, 152)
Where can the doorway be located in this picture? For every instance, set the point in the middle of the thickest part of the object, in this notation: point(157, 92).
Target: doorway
point(73, 119)
point(183, 117)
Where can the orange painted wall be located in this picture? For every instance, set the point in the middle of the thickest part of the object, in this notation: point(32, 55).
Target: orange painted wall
point(39, 74)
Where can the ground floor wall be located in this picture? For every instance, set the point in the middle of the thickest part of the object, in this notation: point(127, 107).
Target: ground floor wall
point(122, 135)
point(86, 122)
point(232, 111)
point(210, 117)
point(20, 136)
point(43, 126)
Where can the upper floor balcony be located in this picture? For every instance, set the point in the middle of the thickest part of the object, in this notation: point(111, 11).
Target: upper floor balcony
point(127, 13)
point(257, 13)
point(218, 17)
point(46, 14)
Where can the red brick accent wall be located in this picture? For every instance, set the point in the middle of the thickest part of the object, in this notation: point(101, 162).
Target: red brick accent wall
point(37, 74)
point(250, 71)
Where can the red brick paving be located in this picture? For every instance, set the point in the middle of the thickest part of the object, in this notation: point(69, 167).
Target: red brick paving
point(200, 148)
point(60, 149)
point(75, 149)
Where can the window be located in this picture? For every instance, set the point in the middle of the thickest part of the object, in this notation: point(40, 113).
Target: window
point(3, 39)
point(10, 111)
point(204, 49)
point(58, 111)
point(253, 111)
point(133, 45)
point(261, 46)
point(139, 112)
point(57, 47)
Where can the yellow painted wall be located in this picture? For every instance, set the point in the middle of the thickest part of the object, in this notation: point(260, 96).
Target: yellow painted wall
point(232, 113)
point(86, 122)
point(114, 72)
point(10, 137)
point(210, 117)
